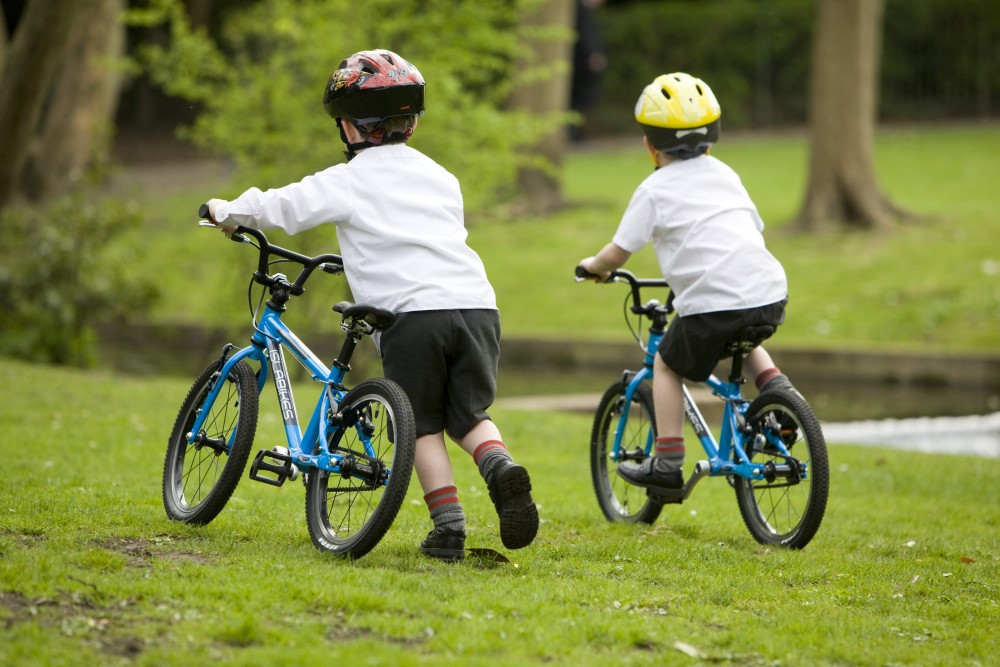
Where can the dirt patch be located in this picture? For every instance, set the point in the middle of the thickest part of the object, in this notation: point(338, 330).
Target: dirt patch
point(74, 614)
point(140, 550)
point(341, 632)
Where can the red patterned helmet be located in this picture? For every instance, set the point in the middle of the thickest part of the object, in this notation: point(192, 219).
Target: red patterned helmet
point(371, 86)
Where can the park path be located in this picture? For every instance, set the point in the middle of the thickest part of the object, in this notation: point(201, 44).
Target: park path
point(976, 435)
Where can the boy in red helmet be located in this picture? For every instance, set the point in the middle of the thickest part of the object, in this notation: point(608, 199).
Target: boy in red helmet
point(400, 224)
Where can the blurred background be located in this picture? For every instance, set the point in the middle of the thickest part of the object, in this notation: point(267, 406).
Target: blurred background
point(865, 130)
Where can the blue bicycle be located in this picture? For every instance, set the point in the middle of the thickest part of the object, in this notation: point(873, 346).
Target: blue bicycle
point(771, 450)
point(356, 453)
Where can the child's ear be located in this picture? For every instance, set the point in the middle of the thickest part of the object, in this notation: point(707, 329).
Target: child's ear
point(652, 151)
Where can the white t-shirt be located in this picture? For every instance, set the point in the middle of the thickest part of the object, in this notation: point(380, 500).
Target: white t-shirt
point(400, 225)
point(706, 233)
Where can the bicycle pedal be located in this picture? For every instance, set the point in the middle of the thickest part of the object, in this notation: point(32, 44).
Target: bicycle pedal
point(665, 495)
point(274, 462)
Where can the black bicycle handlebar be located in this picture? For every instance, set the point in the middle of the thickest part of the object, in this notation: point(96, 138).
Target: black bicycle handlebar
point(328, 262)
point(635, 284)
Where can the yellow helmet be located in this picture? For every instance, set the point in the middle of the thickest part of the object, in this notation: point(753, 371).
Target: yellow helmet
point(679, 114)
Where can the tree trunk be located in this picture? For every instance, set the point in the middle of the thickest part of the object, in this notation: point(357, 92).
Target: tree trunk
point(63, 91)
point(547, 95)
point(843, 103)
point(76, 125)
point(3, 40)
point(34, 55)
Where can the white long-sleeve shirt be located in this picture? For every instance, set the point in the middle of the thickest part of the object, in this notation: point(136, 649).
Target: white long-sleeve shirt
point(400, 225)
point(706, 233)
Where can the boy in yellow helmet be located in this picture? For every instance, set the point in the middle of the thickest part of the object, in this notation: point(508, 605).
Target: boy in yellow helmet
point(706, 233)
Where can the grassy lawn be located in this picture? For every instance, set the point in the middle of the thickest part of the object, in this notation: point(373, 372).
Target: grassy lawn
point(904, 570)
point(932, 285)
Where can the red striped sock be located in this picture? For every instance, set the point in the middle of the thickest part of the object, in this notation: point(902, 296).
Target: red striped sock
point(487, 447)
point(671, 450)
point(444, 507)
point(766, 376)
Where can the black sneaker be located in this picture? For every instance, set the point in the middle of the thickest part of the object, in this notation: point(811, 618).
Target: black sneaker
point(510, 491)
point(654, 474)
point(444, 544)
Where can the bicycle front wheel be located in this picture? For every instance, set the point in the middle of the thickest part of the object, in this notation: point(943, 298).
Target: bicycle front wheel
point(787, 507)
point(200, 476)
point(350, 511)
point(619, 500)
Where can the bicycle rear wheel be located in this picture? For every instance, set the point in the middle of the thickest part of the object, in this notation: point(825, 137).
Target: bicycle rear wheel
point(199, 477)
point(619, 500)
point(349, 512)
point(788, 509)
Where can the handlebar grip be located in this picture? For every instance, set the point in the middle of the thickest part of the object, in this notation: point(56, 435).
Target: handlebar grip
point(203, 211)
point(584, 273)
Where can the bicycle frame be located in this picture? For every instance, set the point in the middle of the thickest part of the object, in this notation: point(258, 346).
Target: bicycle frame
point(271, 336)
point(267, 348)
point(727, 456)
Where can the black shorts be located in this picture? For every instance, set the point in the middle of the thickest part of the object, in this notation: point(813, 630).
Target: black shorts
point(693, 345)
point(446, 361)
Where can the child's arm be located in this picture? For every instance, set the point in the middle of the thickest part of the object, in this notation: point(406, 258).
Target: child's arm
point(610, 257)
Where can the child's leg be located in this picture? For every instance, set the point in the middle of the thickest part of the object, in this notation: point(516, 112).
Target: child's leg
point(761, 368)
point(509, 484)
point(664, 468)
point(668, 400)
point(447, 539)
point(431, 463)
point(486, 447)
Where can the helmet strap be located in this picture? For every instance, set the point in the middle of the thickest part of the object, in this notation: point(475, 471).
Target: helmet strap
point(366, 142)
point(352, 148)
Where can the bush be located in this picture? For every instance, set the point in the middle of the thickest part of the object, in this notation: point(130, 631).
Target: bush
point(937, 58)
point(260, 77)
point(57, 278)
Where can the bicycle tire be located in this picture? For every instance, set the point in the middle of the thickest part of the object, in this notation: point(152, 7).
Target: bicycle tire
point(198, 480)
point(778, 512)
point(620, 501)
point(348, 516)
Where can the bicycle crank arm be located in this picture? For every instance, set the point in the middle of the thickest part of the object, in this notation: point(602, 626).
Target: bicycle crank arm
point(701, 469)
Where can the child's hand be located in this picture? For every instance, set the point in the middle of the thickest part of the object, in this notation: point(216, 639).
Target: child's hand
point(584, 272)
point(212, 205)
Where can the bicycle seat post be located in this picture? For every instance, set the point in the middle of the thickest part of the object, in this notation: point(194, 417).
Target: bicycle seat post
point(736, 374)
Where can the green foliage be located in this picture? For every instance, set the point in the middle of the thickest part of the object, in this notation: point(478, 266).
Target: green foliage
point(904, 570)
point(58, 277)
point(759, 75)
point(937, 58)
point(261, 85)
point(931, 285)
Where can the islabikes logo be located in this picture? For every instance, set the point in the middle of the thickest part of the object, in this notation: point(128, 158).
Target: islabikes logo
point(284, 389)
point(695, 419)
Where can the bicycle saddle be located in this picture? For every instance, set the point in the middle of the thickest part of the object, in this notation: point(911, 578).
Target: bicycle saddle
point(379, 318)
point(750, 337)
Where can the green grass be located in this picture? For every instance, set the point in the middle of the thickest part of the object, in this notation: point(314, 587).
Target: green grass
point(928, 285)
point(904, 570)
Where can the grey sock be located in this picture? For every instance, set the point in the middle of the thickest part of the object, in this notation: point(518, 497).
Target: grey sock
point(490, 455)
point(446, 511)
